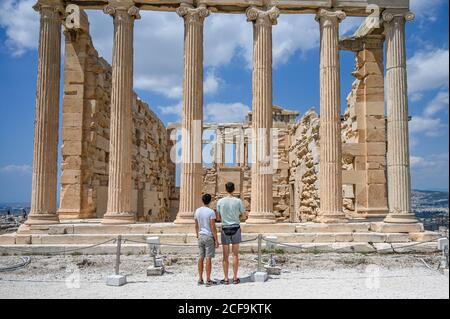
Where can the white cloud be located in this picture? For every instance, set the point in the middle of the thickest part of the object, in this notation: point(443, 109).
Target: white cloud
point(226, 112)
point(13, 168)
point(428, 122)
point(428, 70)
point(426, 9)
point(430, 172)
point(174, 109)
point(21, 24)
point(431, 127)
point(439, 103)
point(211, 83)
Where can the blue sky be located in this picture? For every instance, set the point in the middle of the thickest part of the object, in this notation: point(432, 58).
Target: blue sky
point(228, 45)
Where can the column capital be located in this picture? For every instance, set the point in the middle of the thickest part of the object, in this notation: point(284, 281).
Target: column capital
point(55, 5)
point(256, 15)
point(390, 15)
point(336, 16)
point(128, 7)
point(191, 14)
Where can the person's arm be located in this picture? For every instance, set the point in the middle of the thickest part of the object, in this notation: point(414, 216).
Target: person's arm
point(196, 227)
point(218, 217)
point(214, 231)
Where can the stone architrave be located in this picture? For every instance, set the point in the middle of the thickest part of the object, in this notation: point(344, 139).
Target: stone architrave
point(399, 178)
point(261, 211)
point(45, 155)
point(331, 210)
point(192, 118)
point(119, 208)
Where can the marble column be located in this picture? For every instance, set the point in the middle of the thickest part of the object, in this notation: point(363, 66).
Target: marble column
point(45, 155)
point(330, 123)
point(119, 208)
point(399, 179)
point(192, 116)
point(261, 211)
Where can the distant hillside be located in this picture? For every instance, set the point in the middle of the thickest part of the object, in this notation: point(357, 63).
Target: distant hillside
point(429, 200)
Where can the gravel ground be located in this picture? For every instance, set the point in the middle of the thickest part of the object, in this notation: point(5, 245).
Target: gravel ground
point(303, 276)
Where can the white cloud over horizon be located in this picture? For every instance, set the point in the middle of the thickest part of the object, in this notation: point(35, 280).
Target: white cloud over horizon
point(15, 168)
point(428, 70)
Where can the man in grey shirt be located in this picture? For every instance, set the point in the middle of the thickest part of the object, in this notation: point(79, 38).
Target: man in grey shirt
point(230, 210)
point(205, 228)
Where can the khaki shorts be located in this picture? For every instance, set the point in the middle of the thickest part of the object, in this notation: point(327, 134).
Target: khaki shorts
point(206, 246)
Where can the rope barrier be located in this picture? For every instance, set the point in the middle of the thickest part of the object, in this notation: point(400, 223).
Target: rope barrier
point(65, 251)
point(376, 251)
point(176, 245)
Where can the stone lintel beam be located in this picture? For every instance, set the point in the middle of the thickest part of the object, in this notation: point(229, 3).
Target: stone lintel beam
point(351, 8)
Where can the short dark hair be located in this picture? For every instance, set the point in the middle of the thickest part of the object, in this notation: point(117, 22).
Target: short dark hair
point(229, 187)
point(206, 199)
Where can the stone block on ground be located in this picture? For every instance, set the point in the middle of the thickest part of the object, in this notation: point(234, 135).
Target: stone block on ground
point(116, 280)
point(259, 276)
point(155, 271)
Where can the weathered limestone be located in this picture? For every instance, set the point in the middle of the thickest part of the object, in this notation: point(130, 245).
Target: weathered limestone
point(399, 178)
point(363, 127)
point(119, 208)
point(330, 124)
point(192, 118)
point(262, 202)
point(304, 168)
point(45, 155)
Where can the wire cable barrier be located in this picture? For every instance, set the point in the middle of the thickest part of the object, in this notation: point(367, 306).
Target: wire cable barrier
point(376, 251)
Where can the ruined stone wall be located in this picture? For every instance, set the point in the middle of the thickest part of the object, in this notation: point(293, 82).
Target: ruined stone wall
point(304, 168)
point(85, 141)
point(215, 177)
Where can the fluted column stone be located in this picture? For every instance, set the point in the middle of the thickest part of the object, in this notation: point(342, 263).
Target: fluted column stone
point(119, 208)
point(330, 175)
point(261, 211)
point(192, 113)
point(45, 154)
point(398, 162)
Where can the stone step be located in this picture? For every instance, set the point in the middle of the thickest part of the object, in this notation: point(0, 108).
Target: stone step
point(190, 238)
point(171, 228)
point(142, 249)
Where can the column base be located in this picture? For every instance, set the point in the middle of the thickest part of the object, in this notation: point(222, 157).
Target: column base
point(261, 218)
point(118, 218)
point(42, 219)
point(332, 217)
point(402, 218)
point(185, 218)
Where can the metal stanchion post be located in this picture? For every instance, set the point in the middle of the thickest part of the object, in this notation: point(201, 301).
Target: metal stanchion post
point(117, 279)
point(259, 253)
point(119, 246)
point(260, 275)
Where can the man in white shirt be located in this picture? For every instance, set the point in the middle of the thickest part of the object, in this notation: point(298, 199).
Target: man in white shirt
point(205, 227)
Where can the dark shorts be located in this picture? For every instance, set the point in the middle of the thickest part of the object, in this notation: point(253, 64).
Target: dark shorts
point(231, 239)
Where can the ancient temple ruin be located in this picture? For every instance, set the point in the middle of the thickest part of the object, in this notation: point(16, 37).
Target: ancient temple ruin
point(289, 168)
